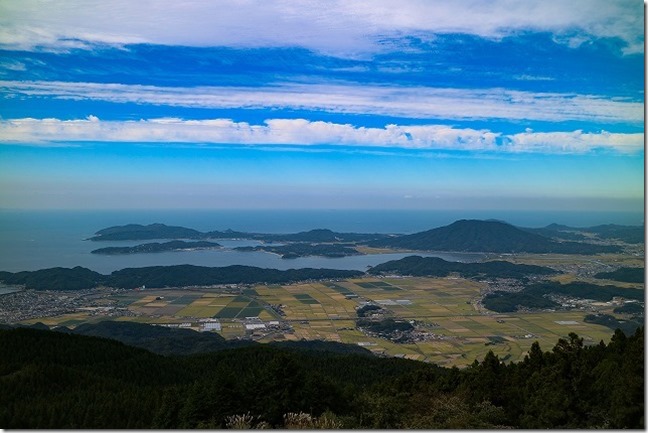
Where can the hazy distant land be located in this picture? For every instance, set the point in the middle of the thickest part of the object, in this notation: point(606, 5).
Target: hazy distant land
point(460, 236)
point(162, 231)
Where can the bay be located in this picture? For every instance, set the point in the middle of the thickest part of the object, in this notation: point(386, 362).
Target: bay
point(31, 240)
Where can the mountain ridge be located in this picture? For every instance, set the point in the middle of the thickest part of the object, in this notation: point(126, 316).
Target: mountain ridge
point(486, 236)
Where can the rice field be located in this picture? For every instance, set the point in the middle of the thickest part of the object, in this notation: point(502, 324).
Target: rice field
point(457, 333)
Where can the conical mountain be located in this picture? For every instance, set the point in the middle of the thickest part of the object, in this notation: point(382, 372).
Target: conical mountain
point(484, 236)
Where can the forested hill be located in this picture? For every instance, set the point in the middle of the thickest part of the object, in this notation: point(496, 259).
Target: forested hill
point(79, 278)
point(535, 295)
point(189, 275)
point(176, 341)
point(487, 236)
point(53, 380)
point(158, 339)
point(436, 267)
point(628, 275)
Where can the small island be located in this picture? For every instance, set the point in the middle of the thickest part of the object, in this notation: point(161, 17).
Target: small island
point(156, 247)
point(295, 250)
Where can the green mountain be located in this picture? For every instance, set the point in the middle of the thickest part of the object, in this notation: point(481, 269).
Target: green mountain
point(486, 236)
point(56, 380)
point(76, 278)
point(141, 232)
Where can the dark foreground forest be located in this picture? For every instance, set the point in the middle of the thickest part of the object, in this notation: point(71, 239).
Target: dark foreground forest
point(53, 379)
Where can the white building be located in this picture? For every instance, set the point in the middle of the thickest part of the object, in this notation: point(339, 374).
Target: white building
point(253, 326)
point(211, 326)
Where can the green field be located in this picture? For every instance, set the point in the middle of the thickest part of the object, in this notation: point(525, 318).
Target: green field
point(456, 331)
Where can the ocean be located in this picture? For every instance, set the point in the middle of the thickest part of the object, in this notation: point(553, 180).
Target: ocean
point(31, 240)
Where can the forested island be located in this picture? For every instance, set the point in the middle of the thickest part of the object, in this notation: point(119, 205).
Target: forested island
point(136, 232)
point(101, 383)
point(161, 231)
point(157, 247)
point(460, 236)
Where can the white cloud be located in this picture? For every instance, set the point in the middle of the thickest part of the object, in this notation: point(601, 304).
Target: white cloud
point(12, 65)
point(526, 77)
point(411, 102)
point(303, 132)
point(576, 141)
point(341, 27)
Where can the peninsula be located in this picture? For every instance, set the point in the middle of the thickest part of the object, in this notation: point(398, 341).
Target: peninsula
point(156, 247)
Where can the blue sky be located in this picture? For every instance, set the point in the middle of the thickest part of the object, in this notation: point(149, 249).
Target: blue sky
point(502, 104)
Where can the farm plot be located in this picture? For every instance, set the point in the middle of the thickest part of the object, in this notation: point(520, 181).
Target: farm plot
point(305, 298)
point(338, 288)
point(378, 285)
point(240, 307)
point(203, 307)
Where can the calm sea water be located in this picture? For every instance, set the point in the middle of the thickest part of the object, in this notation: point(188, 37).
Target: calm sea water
point(31, 240)
point(5, 290)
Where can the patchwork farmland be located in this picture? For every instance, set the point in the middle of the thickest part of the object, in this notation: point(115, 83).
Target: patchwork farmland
point(452, 328)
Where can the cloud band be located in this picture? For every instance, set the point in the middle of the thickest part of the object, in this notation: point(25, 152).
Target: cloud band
point(409, 102)
point(303, 132)
point(338, 27)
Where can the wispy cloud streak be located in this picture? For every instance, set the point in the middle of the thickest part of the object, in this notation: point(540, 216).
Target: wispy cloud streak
point(303, 133)
point(339, 27)
point(411, 102)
